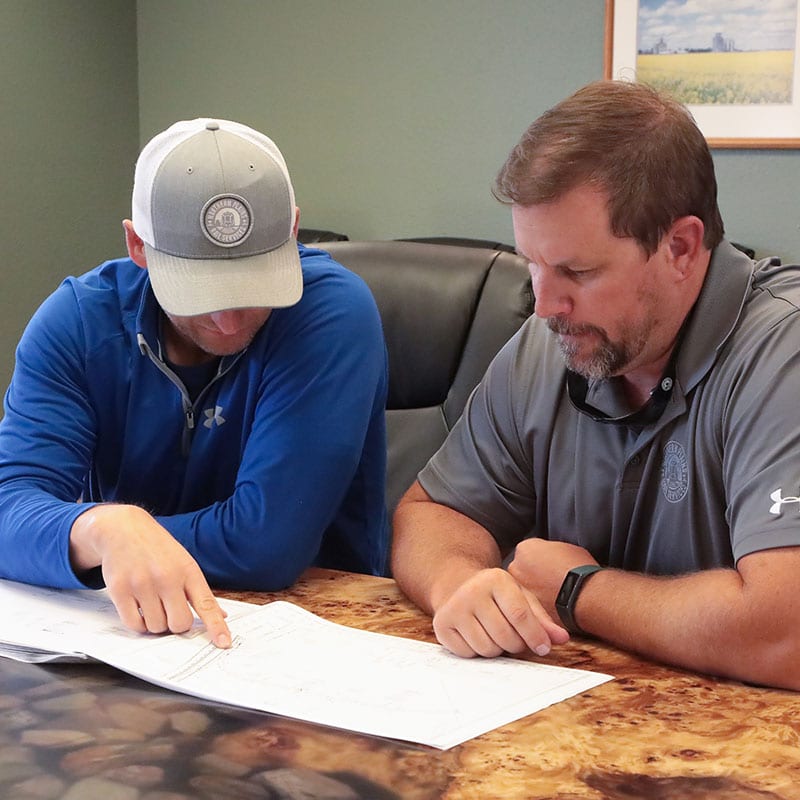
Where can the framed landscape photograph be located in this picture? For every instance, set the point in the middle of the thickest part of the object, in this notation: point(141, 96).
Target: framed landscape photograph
point(734, 63)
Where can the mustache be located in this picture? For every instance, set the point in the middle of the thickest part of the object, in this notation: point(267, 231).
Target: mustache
point(564, 327)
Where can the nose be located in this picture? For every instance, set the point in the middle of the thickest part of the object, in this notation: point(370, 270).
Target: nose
point(550, 292)
point(228, 321)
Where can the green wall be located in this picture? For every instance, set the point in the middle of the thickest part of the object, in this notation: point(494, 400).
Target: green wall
point(394, 116)
point(68, 141)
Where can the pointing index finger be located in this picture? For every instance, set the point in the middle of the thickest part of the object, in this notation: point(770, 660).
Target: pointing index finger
point(213, 617)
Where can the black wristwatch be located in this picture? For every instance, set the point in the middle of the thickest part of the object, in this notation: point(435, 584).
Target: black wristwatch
point(568, 594)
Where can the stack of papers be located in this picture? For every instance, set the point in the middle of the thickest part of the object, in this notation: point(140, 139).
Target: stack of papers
point(288, 661)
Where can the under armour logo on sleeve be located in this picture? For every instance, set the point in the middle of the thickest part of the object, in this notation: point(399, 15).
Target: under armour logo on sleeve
point(779, 501)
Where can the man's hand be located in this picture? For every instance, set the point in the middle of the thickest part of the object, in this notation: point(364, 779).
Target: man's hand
point(540, 566)
point(490, 613)
point(152, 580)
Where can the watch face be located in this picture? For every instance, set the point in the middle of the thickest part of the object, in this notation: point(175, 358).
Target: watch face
point(568, 595)
point(566, 589)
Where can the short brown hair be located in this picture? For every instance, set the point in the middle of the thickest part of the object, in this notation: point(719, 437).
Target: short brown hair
point(642, 148)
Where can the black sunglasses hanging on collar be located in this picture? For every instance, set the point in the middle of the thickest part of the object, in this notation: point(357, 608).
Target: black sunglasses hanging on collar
point(650, 412)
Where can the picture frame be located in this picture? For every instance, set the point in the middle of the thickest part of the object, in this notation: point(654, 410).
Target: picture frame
point(753, 94)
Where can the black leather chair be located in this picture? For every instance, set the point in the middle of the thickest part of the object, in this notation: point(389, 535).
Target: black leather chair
point(446, 311)
point(314, 235)
point(465, 242)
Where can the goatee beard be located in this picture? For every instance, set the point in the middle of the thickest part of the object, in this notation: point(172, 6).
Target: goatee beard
point(608, 358)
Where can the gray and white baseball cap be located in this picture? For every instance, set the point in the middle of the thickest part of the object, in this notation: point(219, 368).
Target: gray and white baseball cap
point(214, 205)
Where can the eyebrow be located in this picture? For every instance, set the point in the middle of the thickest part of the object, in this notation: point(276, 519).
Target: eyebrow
point(567, 264)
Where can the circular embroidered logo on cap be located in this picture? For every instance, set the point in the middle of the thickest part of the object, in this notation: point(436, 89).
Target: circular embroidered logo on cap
point(226, 220)
point(674, 472)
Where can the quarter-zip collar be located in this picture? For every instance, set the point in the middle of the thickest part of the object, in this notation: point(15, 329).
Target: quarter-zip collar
point(148, 339)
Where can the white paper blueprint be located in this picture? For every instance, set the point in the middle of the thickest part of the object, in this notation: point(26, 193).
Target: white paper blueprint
point(288, 661)
point(41, 624)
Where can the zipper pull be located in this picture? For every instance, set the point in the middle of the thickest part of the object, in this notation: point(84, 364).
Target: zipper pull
point(186, 438)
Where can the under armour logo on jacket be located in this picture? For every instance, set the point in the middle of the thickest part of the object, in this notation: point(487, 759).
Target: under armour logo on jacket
point(213, 417)
point(778, 501)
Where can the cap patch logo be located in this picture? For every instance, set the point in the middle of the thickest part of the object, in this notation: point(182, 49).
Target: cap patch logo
point(227, 220)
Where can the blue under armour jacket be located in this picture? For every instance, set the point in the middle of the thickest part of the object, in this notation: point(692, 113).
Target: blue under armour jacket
point(279, 464)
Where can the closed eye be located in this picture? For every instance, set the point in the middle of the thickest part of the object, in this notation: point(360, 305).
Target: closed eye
point(572, 273)
point(577, 274)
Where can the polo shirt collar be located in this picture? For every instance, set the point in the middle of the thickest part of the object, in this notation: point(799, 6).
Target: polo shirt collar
point(708, 325)
point(715, 314)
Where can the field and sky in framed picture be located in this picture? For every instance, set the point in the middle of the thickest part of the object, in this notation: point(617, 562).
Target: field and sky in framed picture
point(734, 63)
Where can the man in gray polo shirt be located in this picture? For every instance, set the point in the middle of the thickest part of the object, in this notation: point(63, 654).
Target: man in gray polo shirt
point(634, 450)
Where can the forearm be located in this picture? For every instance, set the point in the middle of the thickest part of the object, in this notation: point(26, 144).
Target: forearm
point(429, 567)
point(34, 537)
point(253, 539)
point(712, 621)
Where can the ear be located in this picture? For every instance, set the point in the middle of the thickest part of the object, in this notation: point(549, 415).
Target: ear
point(684, 246)
point(296, 222)
point(134, 244)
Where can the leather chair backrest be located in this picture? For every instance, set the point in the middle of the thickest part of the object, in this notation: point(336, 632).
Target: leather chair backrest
point(446, 311)
point(312, 235)
point(465, 242)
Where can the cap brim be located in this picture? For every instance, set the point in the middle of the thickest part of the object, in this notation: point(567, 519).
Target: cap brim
point(187, 287)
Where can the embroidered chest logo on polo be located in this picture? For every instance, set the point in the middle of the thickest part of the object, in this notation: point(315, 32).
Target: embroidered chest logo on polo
point(779, 501)
point(674, 472)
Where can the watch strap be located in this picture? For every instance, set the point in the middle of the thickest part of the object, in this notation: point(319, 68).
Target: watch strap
point(567, 595)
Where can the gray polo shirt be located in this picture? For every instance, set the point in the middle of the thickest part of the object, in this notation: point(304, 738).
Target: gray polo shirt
point(715, 478)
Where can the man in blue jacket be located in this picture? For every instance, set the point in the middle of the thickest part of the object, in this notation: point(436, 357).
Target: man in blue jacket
point(209, 411)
